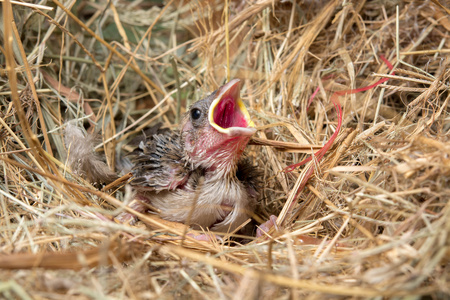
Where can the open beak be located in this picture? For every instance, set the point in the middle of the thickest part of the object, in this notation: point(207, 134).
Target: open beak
point(227, 113)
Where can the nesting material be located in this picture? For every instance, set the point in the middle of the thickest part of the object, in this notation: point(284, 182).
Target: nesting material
point(364, 213)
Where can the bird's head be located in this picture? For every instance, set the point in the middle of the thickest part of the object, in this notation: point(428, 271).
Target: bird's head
point(216, 129)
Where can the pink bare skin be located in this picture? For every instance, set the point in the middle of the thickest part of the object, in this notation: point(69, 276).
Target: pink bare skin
point(264, 228)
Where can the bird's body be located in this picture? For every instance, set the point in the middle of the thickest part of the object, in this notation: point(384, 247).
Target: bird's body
point(197, 175)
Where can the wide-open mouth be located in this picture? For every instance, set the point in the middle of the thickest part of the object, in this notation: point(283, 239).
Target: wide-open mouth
point(228, 114)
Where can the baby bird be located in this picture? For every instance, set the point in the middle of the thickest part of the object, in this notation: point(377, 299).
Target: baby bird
point(197, 174)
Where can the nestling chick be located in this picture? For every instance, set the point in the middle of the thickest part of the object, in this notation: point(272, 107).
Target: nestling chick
point(198, 172)
point(82, 158)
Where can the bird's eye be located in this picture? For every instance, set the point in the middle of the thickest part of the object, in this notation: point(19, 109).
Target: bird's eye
point(196, 114)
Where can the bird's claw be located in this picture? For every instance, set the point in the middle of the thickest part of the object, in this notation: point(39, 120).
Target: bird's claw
point(264, 228)
point(205, 237)
point(126, 218)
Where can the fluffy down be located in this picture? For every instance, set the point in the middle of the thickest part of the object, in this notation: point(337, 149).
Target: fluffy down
point(82, 158)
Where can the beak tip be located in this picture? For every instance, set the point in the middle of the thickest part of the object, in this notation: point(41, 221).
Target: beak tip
point(232, 84)
point(243, 129)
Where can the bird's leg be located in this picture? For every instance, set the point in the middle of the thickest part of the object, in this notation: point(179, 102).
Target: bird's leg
point(205, 237)
point(265, 227)
point(139, 204)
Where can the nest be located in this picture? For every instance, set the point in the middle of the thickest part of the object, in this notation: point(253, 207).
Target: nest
point(359, 90)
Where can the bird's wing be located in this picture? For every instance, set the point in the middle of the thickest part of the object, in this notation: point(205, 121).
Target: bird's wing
point(158, 163)
point(250, 176)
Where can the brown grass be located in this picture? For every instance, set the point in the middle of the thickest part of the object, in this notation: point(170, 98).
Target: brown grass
point(372, 219)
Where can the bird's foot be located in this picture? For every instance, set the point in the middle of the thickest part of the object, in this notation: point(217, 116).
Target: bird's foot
point(205, 237)
point(139, 205)
point(126, 218)
point(264, 228)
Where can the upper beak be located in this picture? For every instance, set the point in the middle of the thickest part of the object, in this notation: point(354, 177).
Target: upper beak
point(227, 113)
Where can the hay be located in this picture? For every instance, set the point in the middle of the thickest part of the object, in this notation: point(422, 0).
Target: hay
point(370, 218)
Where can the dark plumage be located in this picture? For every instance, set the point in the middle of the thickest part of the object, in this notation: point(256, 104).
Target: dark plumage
point(159, 163)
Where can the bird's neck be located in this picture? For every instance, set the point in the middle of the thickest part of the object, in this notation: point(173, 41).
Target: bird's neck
point(221, 161)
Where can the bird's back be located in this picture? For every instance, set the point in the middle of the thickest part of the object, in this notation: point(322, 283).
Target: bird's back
point(158, 162)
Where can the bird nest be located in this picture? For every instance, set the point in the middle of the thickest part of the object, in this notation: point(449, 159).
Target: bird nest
point(351, 105)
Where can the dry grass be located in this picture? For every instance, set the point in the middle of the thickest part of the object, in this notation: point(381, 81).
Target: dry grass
point(380, 194)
